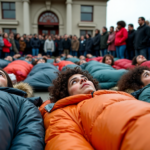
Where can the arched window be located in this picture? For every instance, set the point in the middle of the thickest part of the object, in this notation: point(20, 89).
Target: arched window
point(48, 18)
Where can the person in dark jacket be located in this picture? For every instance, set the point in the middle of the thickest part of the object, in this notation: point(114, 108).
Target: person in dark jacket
point(60, 45)
point(82, 45)
point(21, 122)
point(35, 44)
point(141, 38)
point(66, 45)
point(89, 44)
point(96, 43)
point(17, 38)
point(1, 43)
point(130, 42)
point(28, 45)
point(103, 42)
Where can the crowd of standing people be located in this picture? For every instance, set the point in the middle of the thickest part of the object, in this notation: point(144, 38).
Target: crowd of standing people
point(118, 42)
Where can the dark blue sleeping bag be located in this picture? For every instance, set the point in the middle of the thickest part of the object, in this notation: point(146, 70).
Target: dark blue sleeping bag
point(42, 76)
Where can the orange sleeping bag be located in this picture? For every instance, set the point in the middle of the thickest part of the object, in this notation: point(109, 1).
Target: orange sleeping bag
point(20, 68)
point(105, 120)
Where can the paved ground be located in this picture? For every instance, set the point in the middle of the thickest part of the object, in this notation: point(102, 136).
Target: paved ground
point(43, 95)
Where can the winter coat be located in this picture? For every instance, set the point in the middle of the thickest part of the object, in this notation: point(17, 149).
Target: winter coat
point(60, 45)
point(42, 76)
point(20, 68)
point(7, 45)
point(142, 36)
point(121, 37)
point(96, 42)
point(21, 122)
point(104, 38)
point(75, 45)
point(17, 44)
point(1, 42)
point(49, 46)
point(111, 39)
point(143, 94)
point(42, 42)
point(22, 45)
point(66, 44)
point(102, 120)
point(130, 40)
point(82, 45)
point(123, 64)
point(28, 45)
point(14, 48)
point(89, 44)
point(35, 43)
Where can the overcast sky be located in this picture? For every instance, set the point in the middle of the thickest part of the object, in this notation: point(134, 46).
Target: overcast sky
point(127, 10)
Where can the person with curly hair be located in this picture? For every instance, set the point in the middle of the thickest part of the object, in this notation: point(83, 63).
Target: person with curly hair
point(108, 59)
point(78, 116)
point(137, 80)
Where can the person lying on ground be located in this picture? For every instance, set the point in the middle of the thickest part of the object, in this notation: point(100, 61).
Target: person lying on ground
point(82, 57)
point(138, 60)
point(28, 59)
point(137, 80)
point(21, 122)
point(82, 61)
point(38, 61)
point(78, 116)
point(108, 59)
point(9, 58)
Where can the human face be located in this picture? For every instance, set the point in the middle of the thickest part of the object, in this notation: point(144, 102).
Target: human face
point(79, 84)
point(130, 28)
point(50, 38)
point(145, 77)
point(119, 27)
point(111, 29)
point(140, 22)
point(6, 35)
point(140, 59)
point(41, 61)
point(87, 36)
point(82, 38)
point(96, 31)
point(21, 38)
point(103, 30)
point(3, 79)
point(82, 62)
point(108, 60)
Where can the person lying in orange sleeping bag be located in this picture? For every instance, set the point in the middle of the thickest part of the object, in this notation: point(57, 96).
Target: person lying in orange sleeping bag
point(20, 68)
point(81, 117)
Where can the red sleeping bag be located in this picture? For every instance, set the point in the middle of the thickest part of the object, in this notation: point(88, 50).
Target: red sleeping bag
point(146, 63)
point(20, 68)
point(62, 64)
point(99, 59)
point(123, 64)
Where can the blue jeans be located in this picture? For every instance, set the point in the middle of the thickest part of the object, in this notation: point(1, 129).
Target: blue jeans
point(50, 53)
point(113, 53)
point(104, 52)
point(60, 52)
point(148, 53)
point(96, 53)
point(120, 50)
point(12, 53)
point(75, 53)
point(35, 51)
point(141, 52)
point(7, 54)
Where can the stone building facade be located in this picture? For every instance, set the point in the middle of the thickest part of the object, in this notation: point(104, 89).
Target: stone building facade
point(52, 16)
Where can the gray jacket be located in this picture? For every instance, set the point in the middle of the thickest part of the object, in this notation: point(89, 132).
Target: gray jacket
point(1, 43)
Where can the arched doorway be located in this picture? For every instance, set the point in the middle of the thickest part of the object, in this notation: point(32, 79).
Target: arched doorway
point(48, 23)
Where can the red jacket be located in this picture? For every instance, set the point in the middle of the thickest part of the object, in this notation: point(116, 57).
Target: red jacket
point(121, 37)
point(7, 45)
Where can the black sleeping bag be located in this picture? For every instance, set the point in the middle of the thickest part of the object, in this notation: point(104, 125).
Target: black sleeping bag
point(42, 76)
point(4, 63)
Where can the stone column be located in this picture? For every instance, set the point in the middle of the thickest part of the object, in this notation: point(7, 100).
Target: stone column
point(26, 16)
point(69, 17)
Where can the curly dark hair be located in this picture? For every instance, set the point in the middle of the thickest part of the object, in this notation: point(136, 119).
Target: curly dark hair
point(111, 57)
point(134, 60)
point(59, 90)
point(121, 23)
point(132, 79)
